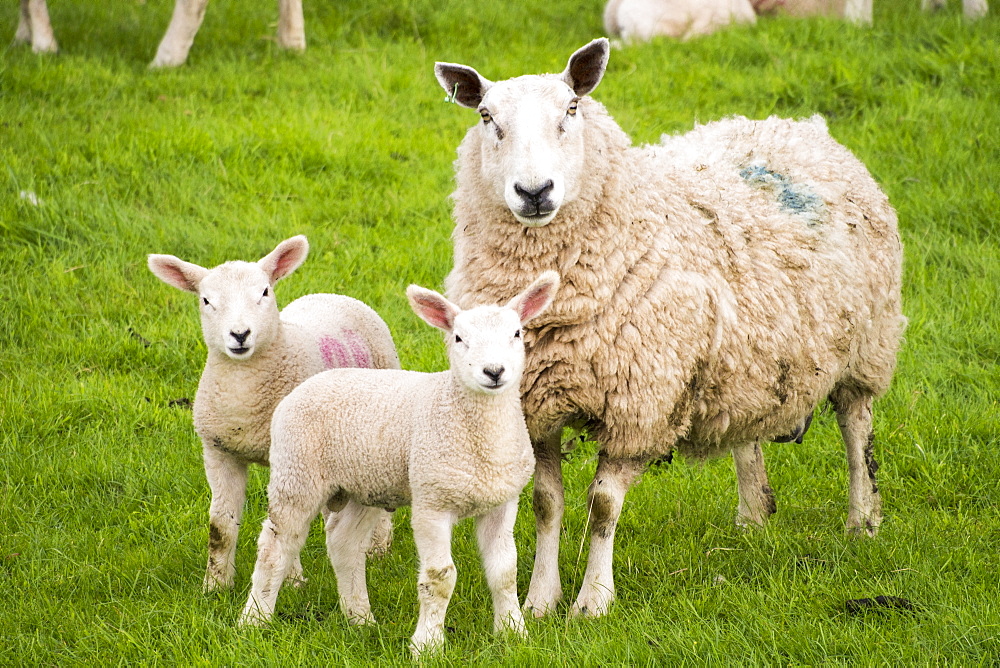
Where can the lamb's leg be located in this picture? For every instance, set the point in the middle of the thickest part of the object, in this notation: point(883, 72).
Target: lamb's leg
point(756, 497)
point(607, 494)
point(227, 478)
point(291, 25)
point(34, 26)
point(177, 41)
point(495, 531)
point(975, 9)
point(545, 589)
point(436, 581)
point(348, 536)
point(281, 540)
point(854, 416)
point(858, 11)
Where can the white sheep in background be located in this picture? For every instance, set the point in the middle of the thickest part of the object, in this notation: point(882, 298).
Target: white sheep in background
point(35, 27)
point(856, 11)
point(641, 20)
point(715, 289)
point(451, 444)
point(256, 356)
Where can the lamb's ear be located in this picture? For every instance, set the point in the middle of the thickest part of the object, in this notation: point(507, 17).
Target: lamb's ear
point(537, 297)
point(462, 83)
point(586, 66)
point(176, 272)
point(285, 258)
point(432, 308)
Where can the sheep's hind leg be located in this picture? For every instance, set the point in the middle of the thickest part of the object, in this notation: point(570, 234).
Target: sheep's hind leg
point(281, 540)
point(348, 536)
point(756, 496)
point(34, 26)
point(495, 533)
point(291, 25)
point(177, 41)
point(436, 580)
point(613, 479)
point(854, 416)
point(545, 589)
point(227, 478)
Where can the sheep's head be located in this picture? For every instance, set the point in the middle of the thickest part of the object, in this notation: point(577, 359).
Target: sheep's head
point(486, 344)
point(532, 130)
point(239, 314)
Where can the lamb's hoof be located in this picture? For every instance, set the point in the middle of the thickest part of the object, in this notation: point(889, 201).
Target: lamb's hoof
point(592, 606)
point(423, 647)
point(45, 46)
point(168, 58)
point(251, 619)
point(866, 529)
point(212, 584)
point(360, 618)
point(292, 42)
point(539, 606)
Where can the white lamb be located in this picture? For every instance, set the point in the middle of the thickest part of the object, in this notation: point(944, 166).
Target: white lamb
point(453, 444)
point(715, 289)
point(34, 26)
point(641, 20)
point(256, 356)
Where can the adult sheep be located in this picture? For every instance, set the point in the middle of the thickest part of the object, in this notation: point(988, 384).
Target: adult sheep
point(857, 11)
point(35, 27)
point(641, 20)
point(716, 288)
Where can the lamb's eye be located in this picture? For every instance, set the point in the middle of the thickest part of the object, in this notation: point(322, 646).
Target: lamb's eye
point(517, 334)
point(572, 109)
point(266, 290)
point(204, 300)
point(458, 339)
point(486, 115)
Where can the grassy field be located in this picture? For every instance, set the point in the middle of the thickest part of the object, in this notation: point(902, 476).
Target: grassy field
point(103, 502)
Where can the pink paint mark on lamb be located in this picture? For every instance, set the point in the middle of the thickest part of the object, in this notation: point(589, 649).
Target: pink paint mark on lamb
point(333, 352)
point(359, 349)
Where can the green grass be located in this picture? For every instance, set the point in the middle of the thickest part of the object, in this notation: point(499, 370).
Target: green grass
point(103, 503)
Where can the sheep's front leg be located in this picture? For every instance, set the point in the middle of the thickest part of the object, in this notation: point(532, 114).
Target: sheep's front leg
point(545, 589)
point(975, 9)
point(613, 479)
point(495, 532)
point(348, 537)
point(291, 25)
point(436, 581)
point(858, 11)
point(227, 478)
point(177, 41)
point(756, 496)
point(34, 26)
point(854, 417)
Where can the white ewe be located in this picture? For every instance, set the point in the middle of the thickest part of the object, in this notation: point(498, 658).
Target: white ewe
point(453, 444)
point(857, 11)
point(256, 356)
point(34, 26)
point(641, 20)
point(715, 289)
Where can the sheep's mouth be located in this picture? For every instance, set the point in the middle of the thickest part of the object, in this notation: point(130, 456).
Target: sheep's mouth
point(239, 352)
point(494, 385)
point(536, 218)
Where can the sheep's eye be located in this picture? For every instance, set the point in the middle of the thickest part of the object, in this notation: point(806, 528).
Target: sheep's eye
point(266, 290)
point(204, 300)
point(572, 109)
point(517, 334)
point(486, 115)
point(458, 339)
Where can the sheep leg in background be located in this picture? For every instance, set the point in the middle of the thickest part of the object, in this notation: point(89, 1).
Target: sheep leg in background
point(854, 416)
point(495, 533)
point(606, 496)
point(34, 26)
point(756, 496)
point(858, 11)
point(177, 41)
point(348, 536)
point(436, 581)
point(291, 25)
point(281, 540)
point(975, 9)
point(545, 589)
point(227, 478)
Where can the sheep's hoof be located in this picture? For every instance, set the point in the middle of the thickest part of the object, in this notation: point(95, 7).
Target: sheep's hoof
point(865, 529)
point(595, 606)
point(363, 618)
point(538, 607)
point(251, 619)
point(426, 646)
point(213, 584)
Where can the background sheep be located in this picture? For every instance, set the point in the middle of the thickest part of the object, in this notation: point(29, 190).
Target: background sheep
point(256, 356)
point(641, 20)
point(716, 288)
point(858, 11)
point(452, 444)
point(34, 26)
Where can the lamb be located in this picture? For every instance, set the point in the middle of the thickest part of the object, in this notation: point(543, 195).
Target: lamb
point(716, 287)
point(641, 20)
point(34, 26)
point(452, 444)
point(256, 356)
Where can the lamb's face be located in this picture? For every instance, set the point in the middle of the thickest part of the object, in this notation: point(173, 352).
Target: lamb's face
point(532, 146)
point(486, 349)
point(238, 312)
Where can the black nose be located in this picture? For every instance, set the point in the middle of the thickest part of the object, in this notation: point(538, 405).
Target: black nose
point(534, 195)
point(493, 372)
point(240, 336)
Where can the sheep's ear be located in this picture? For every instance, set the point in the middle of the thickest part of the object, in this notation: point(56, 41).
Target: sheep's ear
point(463, 84)
point(432, 308)
point(285, 258)
point(176, 272)
point(537, 297)
point(586, 66)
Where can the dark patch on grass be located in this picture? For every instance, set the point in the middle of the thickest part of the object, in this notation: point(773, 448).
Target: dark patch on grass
point(138, 337)
point(878, 605)
point(182, 402)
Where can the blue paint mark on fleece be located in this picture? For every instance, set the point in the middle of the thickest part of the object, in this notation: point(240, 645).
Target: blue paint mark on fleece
point(795, 198)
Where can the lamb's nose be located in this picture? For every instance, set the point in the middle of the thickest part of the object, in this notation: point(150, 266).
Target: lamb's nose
point(533, 194)
point(493, 373)
point(240, 337)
